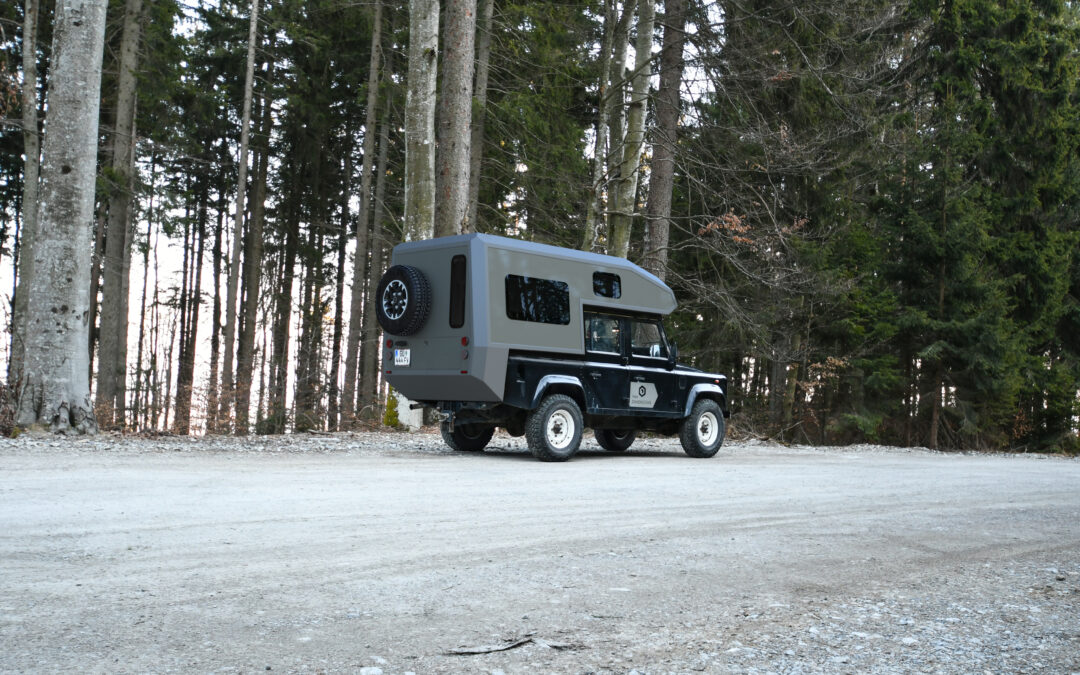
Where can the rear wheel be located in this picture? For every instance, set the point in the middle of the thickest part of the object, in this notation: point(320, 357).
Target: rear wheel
point(553, 430)
point(615, 440)
point(702, 433)
point(467, 437)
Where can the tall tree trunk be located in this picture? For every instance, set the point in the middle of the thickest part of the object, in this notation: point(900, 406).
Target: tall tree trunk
point(476, 143)
point(593, 216)
point(189, 337)
point(112, 356)
point(279, 363)
point(212, 398)
point(333, 403)
point(356, 301)
point(368, 399)
point(183, 312)
point(626, 184)
point(420, 120)
point(616, 95)
point(253, 253)
point(792, 384)
point(227, 391)
point(665, 140)
point(138, 407)
point(31, 168)
point(100, 219)
point(54, 385)
point(154, 405)
point(309, 346)
point(455, 118)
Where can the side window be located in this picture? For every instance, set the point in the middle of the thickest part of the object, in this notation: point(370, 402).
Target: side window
point(607, 285)
point(646, 339)
point(602, 334)
point(457, 291)
point(537, 300)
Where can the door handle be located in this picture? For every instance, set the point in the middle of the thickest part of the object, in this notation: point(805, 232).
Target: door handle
point(595, 375)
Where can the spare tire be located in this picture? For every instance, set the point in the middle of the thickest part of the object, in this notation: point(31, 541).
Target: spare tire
point(402, 300)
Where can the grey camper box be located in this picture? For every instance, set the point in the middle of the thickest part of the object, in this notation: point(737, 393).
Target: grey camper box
point(487, 328)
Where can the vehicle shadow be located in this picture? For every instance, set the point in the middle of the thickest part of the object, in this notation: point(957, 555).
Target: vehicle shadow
point(585, 454)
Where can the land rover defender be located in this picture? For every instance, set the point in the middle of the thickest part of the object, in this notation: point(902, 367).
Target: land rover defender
point(543, 342)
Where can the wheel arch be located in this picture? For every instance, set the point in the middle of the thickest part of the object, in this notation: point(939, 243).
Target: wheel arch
point(705, 391)
point(559, 384)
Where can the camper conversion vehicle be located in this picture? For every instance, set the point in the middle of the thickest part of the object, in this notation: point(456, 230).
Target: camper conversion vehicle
point(543, 342)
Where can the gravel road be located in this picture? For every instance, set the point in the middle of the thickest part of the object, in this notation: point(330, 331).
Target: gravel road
point(386, 553)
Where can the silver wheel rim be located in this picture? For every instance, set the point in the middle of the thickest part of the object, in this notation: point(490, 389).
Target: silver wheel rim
point(395, 299)
point(560, 429)
point(707, 429)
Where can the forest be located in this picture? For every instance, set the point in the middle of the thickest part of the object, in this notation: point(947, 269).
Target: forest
point(868, 209)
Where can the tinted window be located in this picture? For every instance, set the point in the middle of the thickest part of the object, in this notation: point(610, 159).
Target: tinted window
point(607, 285)
point(537, 300)
point(646, 339)
point(457, 291)
point(602, 334)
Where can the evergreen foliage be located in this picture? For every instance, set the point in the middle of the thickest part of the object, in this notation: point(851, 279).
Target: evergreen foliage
point(874, 222)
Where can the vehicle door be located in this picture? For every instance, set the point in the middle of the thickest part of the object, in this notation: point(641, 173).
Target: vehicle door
point(651, 381)
point(605, 370)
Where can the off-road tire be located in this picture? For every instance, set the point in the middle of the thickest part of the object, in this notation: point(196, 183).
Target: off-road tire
point(615, 440)
point(467, 437)
point(402, 300)
point(702, 433)
point(553, 429)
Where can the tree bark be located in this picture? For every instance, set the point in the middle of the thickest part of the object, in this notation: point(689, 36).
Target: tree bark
point(138, 408)
point(455, 118)
point(227, 391)
point(665, 140)
point(616, 96)
point(622, 212)
point(368, 398)
point(334, 404)
point(31, 169)
point(278, 413)
point(185, 378)
point(54, 385)
point(593, 216)
point(476, 143)
point(253, 253)
point(420, 120)
point(112, 340)
point(356, 301)
point(212, 398)
point(95, 276)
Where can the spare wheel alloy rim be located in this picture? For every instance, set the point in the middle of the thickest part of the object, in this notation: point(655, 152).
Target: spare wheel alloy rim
point(395, 299)
point(707, 429)
point(560, 429)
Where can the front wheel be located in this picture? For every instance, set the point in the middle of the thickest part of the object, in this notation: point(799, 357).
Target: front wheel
point(702, 433)
point(615, 440)
point(553, 430)
point(467, 437)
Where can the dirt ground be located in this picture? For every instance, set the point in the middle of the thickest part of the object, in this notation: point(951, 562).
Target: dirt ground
point(387, 553)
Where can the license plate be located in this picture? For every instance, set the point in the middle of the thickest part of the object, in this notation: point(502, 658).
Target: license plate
point(402, 357)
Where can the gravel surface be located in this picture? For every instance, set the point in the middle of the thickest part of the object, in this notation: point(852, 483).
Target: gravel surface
point(382, 553)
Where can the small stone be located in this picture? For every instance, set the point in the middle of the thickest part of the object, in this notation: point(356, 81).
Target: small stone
point(909, 641)
point(371, 670)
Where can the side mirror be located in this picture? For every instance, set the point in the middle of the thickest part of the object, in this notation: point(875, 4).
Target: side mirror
point(673, 354)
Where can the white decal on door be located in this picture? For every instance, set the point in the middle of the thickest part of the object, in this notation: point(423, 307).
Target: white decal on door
point(642, 394)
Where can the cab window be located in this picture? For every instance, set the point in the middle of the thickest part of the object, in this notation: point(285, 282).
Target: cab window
point(647, 339)
point(602, 333)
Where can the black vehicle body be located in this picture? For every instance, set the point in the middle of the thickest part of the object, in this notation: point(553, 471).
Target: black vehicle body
point(541, 341)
